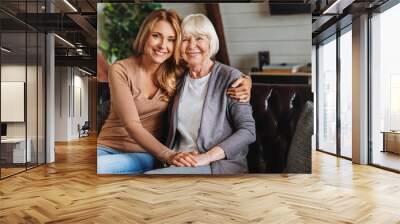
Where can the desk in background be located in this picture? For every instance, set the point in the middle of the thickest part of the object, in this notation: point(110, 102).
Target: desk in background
point(13, 150)
point(391, 141)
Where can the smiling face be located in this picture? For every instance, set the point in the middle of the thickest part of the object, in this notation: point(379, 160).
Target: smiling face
point(195, 49)
point(160, 43)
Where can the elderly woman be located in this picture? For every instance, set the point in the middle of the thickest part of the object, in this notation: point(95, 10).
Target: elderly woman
point(205, 124)
point(141, 87)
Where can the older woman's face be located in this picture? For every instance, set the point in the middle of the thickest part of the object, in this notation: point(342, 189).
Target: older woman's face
point(161, 42)
point(195, 48)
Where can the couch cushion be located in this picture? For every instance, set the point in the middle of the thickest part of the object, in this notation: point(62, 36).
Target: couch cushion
point(299, 155)
point(276, 110)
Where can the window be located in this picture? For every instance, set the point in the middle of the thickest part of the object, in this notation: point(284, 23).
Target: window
point(385, 86)
point(330, 133)
point(326, 96)
point(22, 75)
point(346, 93)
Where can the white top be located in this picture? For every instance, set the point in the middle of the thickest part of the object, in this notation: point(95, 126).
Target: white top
point(190, 109)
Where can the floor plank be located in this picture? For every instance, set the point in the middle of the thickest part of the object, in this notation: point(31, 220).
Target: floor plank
point(70, 191)
point(386, 159)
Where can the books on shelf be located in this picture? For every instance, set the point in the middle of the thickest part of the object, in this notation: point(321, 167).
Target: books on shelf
point(286, 68)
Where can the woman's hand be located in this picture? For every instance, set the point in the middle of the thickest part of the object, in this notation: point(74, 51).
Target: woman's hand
point(182, 159)
point(202, 159)
point(240, 90)
point(214, 154)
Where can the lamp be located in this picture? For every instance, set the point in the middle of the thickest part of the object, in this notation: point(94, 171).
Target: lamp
point(64, 40)
point(84, 71)
point(70, 5)
point(5, 50)
point(337, 7)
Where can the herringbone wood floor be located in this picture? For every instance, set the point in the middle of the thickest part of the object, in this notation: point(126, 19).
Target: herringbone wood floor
point(70, 191)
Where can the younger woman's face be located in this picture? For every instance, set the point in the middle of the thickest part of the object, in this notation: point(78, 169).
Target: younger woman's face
point(161, 42)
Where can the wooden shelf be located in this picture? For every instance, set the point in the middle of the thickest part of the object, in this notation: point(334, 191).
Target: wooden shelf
point(281, 78)
point(281, 74)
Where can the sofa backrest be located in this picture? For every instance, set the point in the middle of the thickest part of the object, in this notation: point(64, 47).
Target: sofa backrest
point(276, 110)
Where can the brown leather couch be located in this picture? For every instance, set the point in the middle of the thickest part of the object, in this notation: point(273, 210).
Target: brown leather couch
point(276, 110)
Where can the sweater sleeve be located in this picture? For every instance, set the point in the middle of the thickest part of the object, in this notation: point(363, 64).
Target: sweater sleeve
point(124, 106)
point(243, 124)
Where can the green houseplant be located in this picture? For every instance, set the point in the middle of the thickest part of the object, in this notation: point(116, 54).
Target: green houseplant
point(121, 25)
point(118, 25)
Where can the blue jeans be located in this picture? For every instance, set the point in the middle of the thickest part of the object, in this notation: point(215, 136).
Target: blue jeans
point(182, 170)
point(111, 161)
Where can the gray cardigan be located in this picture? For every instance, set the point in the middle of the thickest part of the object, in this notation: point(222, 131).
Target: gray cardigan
point(225, 122)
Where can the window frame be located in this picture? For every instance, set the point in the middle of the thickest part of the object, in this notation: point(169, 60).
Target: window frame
point(379, 10)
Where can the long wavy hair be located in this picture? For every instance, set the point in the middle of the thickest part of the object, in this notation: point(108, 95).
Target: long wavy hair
point(170, 71)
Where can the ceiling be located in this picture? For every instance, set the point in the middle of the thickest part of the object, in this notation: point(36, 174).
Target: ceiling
point(332, 15)
point(73, 20)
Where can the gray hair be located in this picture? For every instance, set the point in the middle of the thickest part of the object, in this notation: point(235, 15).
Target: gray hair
point(200, 24)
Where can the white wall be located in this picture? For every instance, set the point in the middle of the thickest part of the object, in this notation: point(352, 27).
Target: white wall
point(71, 93)
point(62, 81)
point(185, 9)
point(16, 72)
point(250, 28)
point(314, 90)
point(81, 105)
point(33, 127)
point(13, 101)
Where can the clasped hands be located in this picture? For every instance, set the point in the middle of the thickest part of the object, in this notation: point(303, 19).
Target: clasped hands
point(189, 159)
